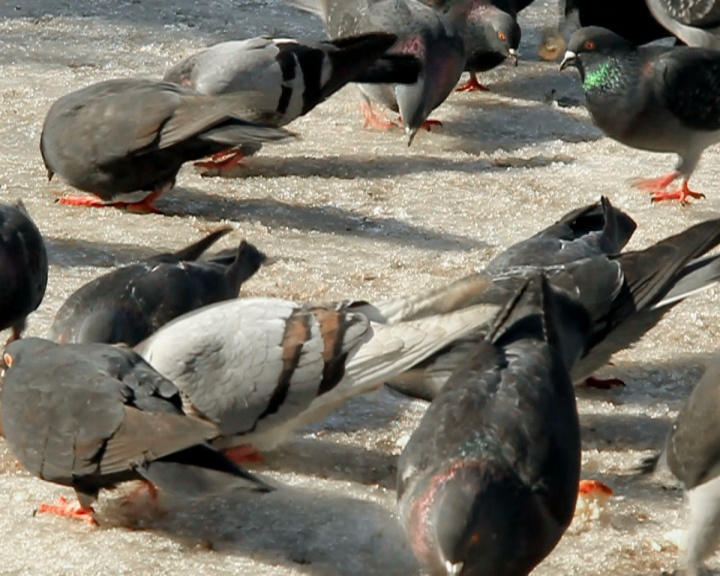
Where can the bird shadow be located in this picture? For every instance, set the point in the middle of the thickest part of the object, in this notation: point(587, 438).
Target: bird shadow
point(317, 218)
point(313, 532)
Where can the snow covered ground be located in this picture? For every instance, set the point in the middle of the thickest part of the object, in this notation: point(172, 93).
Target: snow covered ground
point(343, 212)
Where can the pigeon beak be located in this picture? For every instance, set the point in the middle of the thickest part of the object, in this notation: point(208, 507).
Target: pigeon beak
point(50, 174)
point(569, 60)
point(453, 569)
point(410, 134)
point(514, 56)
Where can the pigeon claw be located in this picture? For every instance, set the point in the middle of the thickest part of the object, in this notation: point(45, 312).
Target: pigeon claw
point(603, 383)
point(144, 206)
point(70, 509)
point(472, 85)
point(371, 119)
point(243, 454)
point(683, 194)
point(220, 163)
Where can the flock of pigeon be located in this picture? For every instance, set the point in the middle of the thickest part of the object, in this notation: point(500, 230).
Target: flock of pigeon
point(161, 374)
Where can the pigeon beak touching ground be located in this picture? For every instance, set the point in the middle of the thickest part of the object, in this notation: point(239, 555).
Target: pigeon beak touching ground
point(488, 481)
point(570, 59)
point(514, 56)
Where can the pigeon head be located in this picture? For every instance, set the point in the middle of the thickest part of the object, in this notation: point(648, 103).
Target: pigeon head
point(590, 49)
point(491, 30)
point(443, 56)
point(471, 519)
point(24, 348)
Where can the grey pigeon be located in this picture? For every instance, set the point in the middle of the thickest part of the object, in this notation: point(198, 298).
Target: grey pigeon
point(653, 98)
point(654, 280)
point(491, 35)
point(488, 481)
point(259, 367)
point(592, 230)
point(695, 22)
point(131, 302)
point(91, 416)
point(435, 39)
point(631, 19)
point(120, 139)
point(692, 454)
point(23, 268)
point(285, 78)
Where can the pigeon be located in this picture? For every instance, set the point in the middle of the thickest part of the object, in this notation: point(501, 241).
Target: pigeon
point(654, 98)
point(592, 230)
point(23, 268)
point(696, 23)
point(285, 79)
point(127, 137)
point(487, 482)
point(91, 416)
point(654, 281)
point(491, 35)
point(691, 454)
point(260, 368)
point(131, 302)
point(631, 19)
point(434, 38)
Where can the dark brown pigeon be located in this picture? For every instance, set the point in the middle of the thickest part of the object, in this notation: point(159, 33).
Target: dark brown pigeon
point(91, 416)
point(129, 304)
point(122, 138)
point(23, 268)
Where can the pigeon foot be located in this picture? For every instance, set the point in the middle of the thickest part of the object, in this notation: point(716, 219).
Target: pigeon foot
point(70, 509)
point(656, 184)
point(472, 85)
point(683, 194)
point(220, 163)
point(144, 206)
point(428, 124)
point(243, 454)
point(603, 383)
point(371, 119)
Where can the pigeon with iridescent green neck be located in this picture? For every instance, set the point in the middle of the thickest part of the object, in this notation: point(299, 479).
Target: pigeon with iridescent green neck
point(653, 98)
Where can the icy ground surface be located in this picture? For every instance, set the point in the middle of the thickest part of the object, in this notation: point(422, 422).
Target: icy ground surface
point(344, 212)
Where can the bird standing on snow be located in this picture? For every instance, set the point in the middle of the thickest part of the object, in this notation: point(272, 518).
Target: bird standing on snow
point(284, 79)
point(434, 39)
point(91, 416)
point(695, 22)
point(23, 268)
point(488, 481)
point(491, 35)
point(125, 140)
point(653, 98)
point(692, 452)
point(130, 303)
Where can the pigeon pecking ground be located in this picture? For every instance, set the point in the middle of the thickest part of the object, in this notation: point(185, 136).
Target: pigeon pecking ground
point(343, 212)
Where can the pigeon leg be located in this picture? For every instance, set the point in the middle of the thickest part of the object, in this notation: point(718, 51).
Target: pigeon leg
point(472, 85)
point(371, 119)
point(683, 194)
point(70, 509)
point(220, 163)
point(656, 185)
point(144, 206)
point(603, 383)
point(243, 454)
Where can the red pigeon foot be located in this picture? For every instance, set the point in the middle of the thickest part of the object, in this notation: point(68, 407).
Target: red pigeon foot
point(428, 124)
point(371, 119)
point(656, 184)
point(603, 383)
point(220, 163)
point(144, 206)
point(683, 194)
point(70, 509)
point(472, 85)
point(244, 453)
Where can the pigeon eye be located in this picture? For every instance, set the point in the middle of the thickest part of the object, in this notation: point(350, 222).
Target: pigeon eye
point(589, 45)
point(502, 36)
point(7, 359)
